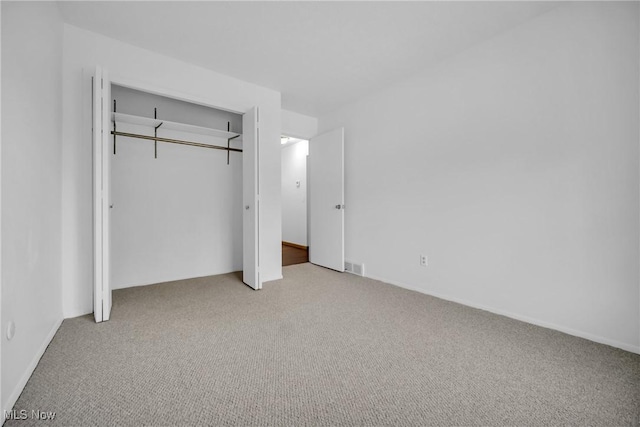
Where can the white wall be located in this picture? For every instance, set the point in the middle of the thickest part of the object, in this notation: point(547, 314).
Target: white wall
point(145, 69)
point(294, 168)
point(179, 215)
point(298, 125)
point(514, 167)
point(31, 187)
point(294, 197)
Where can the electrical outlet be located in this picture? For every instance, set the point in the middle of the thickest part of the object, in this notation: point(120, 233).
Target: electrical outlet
point(423, 260)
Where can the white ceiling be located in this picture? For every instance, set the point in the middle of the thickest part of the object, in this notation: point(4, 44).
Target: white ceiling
point(319, 55)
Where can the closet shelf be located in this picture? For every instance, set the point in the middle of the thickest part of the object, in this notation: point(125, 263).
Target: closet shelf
point(181, 127)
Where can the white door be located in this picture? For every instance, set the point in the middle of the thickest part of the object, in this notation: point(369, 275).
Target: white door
point(101, 194)
point(250, 199)
point(326, 199)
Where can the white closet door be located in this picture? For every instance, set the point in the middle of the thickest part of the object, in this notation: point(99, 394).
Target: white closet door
point(101, 195)
point(251, 199)
point(326, 199)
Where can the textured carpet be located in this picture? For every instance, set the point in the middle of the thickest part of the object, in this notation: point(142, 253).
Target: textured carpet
point(321, 348)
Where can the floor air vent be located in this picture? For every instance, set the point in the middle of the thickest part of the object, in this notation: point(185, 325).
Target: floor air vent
point(353, 268)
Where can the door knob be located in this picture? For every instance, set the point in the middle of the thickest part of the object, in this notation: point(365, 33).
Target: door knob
point(339, 206)
point(246, 207)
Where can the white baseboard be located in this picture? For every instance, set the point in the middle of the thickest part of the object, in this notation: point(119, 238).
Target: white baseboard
point(79, 311)
point(171, 279)
point(76, 312)
point(32, 366)
point(533, 321)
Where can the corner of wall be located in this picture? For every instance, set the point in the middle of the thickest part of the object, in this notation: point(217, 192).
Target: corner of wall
point(9, 403)
point(299, 125)
point(31, 213)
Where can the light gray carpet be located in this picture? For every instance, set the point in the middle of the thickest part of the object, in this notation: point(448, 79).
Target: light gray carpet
point(322, 348)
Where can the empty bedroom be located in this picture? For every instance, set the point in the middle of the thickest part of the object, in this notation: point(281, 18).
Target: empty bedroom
point(320, 213)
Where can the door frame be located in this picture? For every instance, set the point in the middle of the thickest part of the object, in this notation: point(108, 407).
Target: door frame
point(308, 138)
point(119, 80)
point(101, 194)
point(306, 177)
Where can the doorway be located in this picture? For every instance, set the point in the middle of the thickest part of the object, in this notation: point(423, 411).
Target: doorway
point(294, 152)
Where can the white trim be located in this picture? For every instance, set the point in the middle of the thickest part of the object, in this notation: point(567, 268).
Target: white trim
point(177, 279)
point(531, 320)
point(32, 366)
point(1, 331)
point(105, 118)
point(100, 192)
point(296, 136)
point(639, 219)
point(77, 312)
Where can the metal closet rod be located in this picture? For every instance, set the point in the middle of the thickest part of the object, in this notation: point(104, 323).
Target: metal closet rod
point(177, 141)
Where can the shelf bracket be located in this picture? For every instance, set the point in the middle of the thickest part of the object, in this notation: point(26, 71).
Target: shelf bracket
point(155, 138)
point(155, 142)
point(155, 133)
point(229, 149)
point(114, 129)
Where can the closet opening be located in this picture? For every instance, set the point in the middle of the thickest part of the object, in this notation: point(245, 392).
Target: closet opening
point(294, 152)
point(176, 189)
